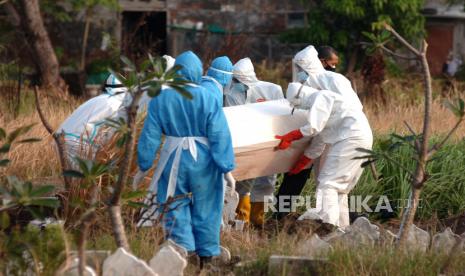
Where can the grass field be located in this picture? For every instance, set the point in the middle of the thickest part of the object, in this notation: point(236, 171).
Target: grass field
point(443, 196)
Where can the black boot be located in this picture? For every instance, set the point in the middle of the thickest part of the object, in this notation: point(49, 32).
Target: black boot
point(205, 260)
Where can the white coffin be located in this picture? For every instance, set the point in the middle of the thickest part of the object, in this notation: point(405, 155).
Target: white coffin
point(253, 128)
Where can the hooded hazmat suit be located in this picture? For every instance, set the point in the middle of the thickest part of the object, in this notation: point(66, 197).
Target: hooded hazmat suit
point(196, 153)
point(81, 128)
point(219, 76)
point(307, 63)
point(253, 91)
point(342, 128)
point(319, 78)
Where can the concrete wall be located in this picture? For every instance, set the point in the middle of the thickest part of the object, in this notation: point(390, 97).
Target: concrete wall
point(234, 28)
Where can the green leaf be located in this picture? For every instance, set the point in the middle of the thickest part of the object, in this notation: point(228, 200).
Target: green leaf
point(2, 134)
point(365, 157)
point(154, 90)
point(122, 140)
point(18, 132)
point(145, 65)
point(52, 202)
point(42, 190)
point(365, 150)
point(128, 63)
point(99, 169)
point(5, 148)
point(135, 204)
point(173, 72)
point(73, 173)
point(183, 91)
point(4, 220)
point(133, 195)
point(368, 162)
point(34, 212)
point(370, 36)
point(449, 105)
point(30, 140)
point(4, 162)
point(85, 165)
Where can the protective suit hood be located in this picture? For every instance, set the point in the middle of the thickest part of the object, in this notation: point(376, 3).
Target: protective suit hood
point(169, 61)
point(308, 60)
point(191, 66)
point(244, 72)
point(113, 86)
point(221, 70)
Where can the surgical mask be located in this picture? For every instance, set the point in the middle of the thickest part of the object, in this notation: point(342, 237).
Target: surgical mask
point(331, 68)
point(302, 76)
point(239, 87)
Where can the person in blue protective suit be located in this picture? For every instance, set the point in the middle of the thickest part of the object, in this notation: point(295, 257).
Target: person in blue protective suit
point(197, 151)
point(219, 75)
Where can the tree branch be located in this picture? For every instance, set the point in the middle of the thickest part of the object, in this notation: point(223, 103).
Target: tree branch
point(437, 146)
point(59, 139)
point(402, 40)
point(41, 113)
point(392, 53)
point(115, 198)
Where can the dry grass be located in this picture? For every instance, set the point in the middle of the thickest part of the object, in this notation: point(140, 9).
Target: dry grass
point(392, 117)
point(39, 160)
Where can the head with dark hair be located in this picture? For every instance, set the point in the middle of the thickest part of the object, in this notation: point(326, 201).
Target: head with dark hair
point(328, 57)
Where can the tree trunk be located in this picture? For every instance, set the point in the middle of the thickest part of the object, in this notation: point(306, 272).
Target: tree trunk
point(37, 37)
point(409, 216)
point(115, 206)
point(420, 176)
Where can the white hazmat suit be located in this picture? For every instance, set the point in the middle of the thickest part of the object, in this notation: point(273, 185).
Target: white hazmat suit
point(82, 129)
point(342, 128)
point(245, 89)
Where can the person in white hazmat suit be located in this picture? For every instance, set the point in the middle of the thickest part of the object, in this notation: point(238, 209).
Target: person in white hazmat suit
point(245, 88)
point(307, 67)
point(338, 123)
point(82, 129)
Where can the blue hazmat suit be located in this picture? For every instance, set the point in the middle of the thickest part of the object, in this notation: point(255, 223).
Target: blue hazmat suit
point(196, 153)
point(219, 75)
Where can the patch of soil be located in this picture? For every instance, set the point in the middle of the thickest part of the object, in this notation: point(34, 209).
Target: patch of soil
point(293, 226)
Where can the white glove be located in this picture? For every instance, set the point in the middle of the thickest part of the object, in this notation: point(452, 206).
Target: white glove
point(230, 181)
point(138, 178)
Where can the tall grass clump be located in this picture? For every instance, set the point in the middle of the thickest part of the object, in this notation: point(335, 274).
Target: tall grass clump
point(443, 195)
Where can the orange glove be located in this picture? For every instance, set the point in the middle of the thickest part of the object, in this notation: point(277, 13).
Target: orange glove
point(288, 138)
point(300, 165)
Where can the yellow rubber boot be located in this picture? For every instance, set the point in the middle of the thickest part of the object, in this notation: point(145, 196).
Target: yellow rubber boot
point(243, 209)
point(257, 214)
